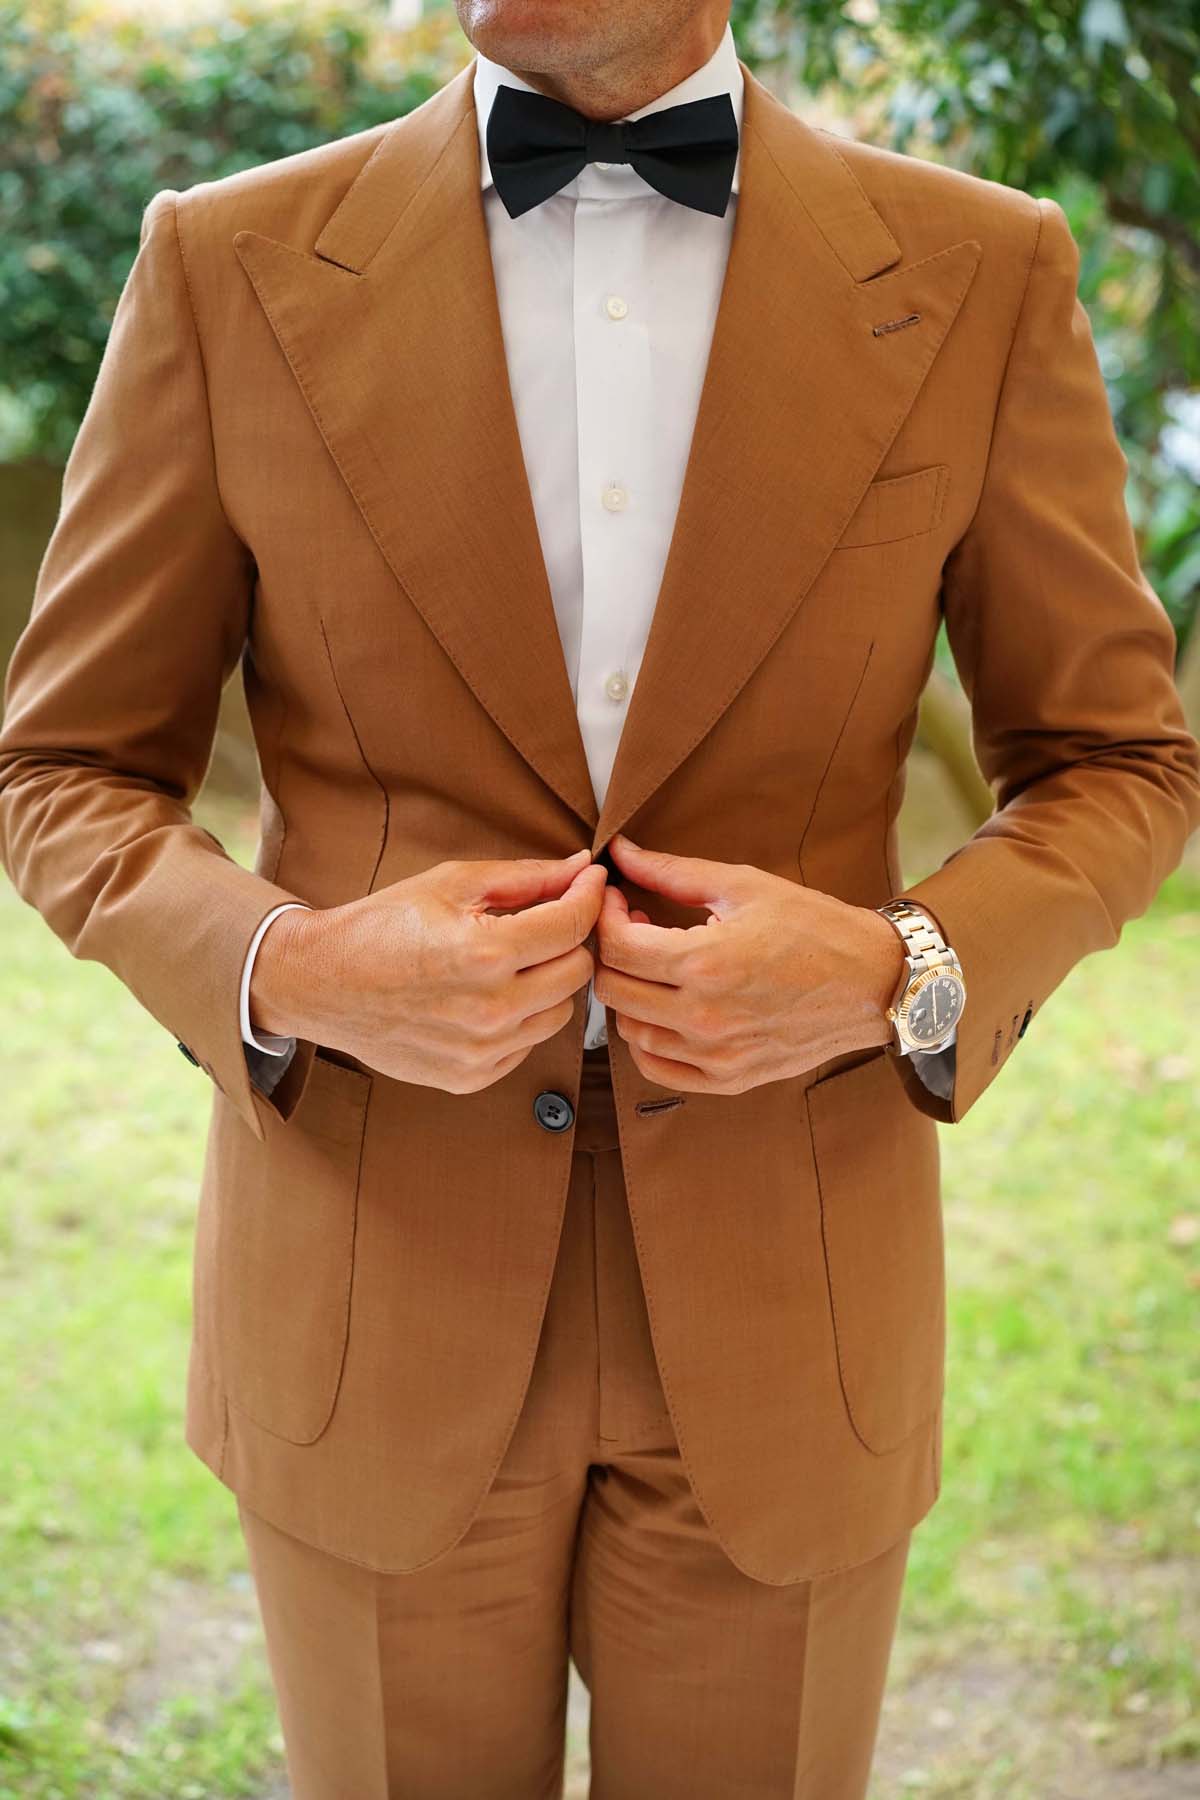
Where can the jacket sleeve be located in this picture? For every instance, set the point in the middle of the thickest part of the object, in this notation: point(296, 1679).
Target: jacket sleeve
point(1067, 656)
point(140, 614)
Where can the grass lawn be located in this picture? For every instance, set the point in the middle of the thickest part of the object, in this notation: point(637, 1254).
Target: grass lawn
point(1051, 1627)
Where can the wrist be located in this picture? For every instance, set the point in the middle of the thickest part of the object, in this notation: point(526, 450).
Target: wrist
point(886, 967)
point(282, 978)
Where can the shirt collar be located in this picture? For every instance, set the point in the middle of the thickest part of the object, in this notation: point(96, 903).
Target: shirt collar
point(721, 74)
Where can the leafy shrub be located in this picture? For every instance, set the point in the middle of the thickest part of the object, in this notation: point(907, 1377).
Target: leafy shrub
point(97, 113)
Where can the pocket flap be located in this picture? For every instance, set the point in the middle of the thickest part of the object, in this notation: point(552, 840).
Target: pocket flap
point(900, 507)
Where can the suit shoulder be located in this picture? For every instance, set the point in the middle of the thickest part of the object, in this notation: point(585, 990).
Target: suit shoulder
point(925, 204)
point(288, 198)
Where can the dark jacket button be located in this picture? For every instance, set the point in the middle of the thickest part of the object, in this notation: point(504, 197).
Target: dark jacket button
point(194, 1060)
point(552, 1111)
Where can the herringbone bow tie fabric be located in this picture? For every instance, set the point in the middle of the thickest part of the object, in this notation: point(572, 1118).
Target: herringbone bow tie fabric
point(536, 145)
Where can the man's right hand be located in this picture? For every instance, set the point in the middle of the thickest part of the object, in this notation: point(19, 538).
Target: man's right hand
point(426, 981)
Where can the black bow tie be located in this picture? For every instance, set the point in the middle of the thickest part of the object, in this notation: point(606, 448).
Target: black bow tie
point(536, 145)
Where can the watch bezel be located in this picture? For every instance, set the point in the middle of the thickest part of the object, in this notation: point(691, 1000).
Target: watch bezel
point(915, 985)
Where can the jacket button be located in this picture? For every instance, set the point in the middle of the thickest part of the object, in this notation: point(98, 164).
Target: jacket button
point(552, 1111)
point(194, 1060)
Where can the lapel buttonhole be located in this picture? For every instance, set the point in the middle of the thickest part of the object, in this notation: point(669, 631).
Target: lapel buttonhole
point(895, 324)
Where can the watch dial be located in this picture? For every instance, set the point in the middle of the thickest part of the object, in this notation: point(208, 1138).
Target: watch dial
point(935, 1009)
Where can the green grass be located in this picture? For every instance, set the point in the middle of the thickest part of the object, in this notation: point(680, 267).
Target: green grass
point(1064, 1547)
point(1067, 1536)
point(107, 1522)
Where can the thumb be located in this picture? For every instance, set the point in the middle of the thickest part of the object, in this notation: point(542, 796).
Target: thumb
point(693, 880)
point(521, 880)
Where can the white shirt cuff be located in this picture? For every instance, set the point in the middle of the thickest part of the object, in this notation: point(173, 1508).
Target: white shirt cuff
point(269, 1041)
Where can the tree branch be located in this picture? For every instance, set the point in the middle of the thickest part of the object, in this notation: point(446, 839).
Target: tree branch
point(1172, 231)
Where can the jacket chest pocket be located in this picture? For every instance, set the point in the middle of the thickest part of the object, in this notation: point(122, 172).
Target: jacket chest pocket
point(286, 1256)
point(903, 506)
point(878, 1174)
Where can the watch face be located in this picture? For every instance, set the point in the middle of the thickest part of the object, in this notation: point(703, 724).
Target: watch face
point(935, 1009)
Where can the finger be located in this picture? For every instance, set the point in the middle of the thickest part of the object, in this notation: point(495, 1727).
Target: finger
point(518, 881)
point(694, 880)
point(643, 918)
point(545, 1024)
point(615, 898)
point(680, 1077)
point(559, 978)
point(554, 926)
point(634, 913)
point(650, 1002)
point(507, 1063)
point(656, 952)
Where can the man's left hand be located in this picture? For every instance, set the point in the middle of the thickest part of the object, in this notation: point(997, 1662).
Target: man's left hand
point(777, 979)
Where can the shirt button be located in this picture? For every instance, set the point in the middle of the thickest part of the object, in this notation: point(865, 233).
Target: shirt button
point(616, 686)
point(614, 498)
point(601, 165)
point(615, 307)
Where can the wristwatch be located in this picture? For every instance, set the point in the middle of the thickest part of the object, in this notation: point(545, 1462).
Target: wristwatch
point(931, 996)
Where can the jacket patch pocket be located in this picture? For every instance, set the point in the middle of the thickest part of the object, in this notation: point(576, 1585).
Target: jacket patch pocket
point(287, 1256)
point(878, 1175)
point(902, 506)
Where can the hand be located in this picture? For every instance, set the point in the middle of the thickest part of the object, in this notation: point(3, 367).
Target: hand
point(429, 980)
point(777, 979)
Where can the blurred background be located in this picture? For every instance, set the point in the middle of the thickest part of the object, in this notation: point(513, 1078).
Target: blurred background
point(1050, 1640)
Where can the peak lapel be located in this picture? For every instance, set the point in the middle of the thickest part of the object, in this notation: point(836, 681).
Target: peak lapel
point(392, 330)
point(799, 406)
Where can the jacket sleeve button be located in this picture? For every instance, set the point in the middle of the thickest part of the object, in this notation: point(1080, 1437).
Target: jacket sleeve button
point(194, 1060)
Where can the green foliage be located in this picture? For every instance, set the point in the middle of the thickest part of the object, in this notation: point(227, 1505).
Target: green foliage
point(98, 113)
point(1024, 91)
point(1095, 102)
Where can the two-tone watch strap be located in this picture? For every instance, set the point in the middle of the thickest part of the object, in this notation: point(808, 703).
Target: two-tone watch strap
point(924, 942)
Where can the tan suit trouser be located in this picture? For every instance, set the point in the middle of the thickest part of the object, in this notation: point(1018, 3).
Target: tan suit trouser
point(450, 1683)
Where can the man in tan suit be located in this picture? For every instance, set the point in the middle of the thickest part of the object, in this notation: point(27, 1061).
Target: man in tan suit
point(579, 469)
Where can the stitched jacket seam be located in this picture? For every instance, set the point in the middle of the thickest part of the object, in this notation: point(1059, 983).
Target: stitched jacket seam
point(191, 300)
point(1004, 373)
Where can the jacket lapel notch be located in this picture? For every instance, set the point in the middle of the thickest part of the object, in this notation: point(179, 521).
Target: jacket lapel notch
point(375, 203)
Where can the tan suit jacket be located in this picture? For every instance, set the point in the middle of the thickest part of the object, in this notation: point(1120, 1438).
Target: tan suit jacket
point(301, 452)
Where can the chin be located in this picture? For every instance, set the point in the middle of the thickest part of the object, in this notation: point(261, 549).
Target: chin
point(530, 34)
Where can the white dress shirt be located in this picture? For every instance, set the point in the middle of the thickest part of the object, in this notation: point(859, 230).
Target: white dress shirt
point(608, 295)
